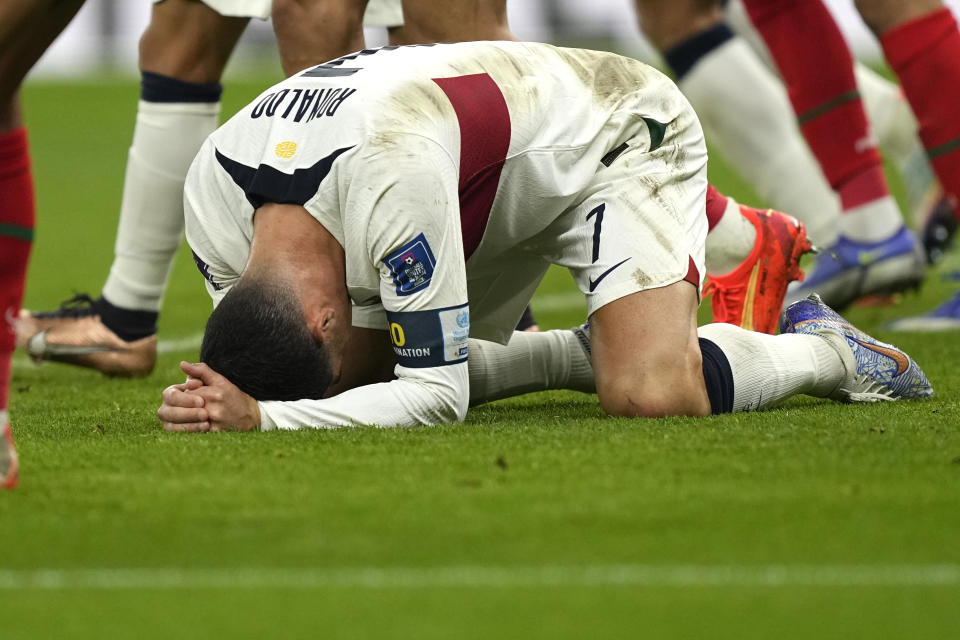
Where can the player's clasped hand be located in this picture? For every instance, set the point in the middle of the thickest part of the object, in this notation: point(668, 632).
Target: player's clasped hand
point(207, 401)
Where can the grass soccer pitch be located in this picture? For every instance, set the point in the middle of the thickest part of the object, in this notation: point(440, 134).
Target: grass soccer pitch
point(537, 518)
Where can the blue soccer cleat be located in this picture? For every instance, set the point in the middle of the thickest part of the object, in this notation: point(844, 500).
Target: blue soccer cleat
point(849, 270)
point(946, 317)
point(876, 371)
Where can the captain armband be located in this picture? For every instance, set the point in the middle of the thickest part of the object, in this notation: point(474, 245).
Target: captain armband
point(433, 338)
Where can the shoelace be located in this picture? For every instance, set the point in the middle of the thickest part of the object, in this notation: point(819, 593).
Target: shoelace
point(720, 296)
point(79, 306)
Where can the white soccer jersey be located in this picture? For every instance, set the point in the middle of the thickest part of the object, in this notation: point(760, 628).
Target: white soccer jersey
point(451, 173)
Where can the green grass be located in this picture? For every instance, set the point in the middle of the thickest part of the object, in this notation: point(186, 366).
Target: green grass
point(537, 518)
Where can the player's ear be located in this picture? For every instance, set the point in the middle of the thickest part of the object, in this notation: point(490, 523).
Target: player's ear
point(322, 324)
point(327, 328)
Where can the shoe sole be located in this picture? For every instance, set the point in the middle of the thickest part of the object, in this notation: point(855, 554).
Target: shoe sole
point(111, 362)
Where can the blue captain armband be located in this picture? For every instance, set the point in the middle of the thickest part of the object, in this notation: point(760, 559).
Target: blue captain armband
point(433, 338)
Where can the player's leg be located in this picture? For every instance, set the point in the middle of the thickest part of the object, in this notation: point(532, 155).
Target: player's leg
point(921, 42)
point(896, 131)
point(874, 253)
point(751, 257)
point(16, 234)
point(182, 55)
point(818, 353)
point(26, 30)
point(313, 31)
point(646, 355)
point(743, 108)
point(452, 21)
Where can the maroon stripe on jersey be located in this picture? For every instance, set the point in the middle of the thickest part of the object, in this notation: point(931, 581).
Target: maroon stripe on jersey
point(484, 139)
point(693, 274)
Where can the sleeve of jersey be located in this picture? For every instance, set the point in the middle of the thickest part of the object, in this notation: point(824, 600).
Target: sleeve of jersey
point(413, 236)
point(432, 397)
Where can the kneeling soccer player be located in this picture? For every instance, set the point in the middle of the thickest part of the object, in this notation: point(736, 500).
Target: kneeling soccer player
point(346, 217)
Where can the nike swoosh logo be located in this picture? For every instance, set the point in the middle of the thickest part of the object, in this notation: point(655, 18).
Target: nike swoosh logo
point(594, 283)
point(903, 362)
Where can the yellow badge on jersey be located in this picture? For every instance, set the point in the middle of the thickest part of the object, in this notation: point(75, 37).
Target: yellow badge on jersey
point(285, 149)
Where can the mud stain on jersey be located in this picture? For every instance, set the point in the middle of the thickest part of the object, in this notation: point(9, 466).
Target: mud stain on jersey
point(641, 278)
point(609, 77)
point(654, 189)
point(416, 107)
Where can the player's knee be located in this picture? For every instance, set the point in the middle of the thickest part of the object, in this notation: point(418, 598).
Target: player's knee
point(676, 389)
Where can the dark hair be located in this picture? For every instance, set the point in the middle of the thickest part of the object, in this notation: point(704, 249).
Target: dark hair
point(257, 338)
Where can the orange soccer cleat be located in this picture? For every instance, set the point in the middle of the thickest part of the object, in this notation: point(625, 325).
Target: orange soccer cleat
point(751, 296)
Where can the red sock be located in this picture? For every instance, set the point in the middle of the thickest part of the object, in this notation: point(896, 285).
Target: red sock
point(16, 234)
point(716, 205)
point(925, 54)
point(817, 68)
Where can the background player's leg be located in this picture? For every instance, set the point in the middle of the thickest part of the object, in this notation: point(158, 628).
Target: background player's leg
point(26, 30)
point(896, 130)
point(27, 27)
point(313, 31)
point(819, 75)
point(452, 21)
point(182, 55)
point(751, 255)
point(743, 108)
point(16, 235)
point(921, 42)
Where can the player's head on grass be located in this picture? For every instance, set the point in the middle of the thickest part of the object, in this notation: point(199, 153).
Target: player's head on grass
point(259, 339)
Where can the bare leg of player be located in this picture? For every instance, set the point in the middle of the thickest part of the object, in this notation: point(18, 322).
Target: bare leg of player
point(313, 31)
point(26, 30)
point(452, 21)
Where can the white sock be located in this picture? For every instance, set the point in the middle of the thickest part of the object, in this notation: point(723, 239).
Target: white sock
point(767, 369)
point(872, 222)
point(166, 138)
point(730, 241)
point(746, 114)
point(531, 361)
